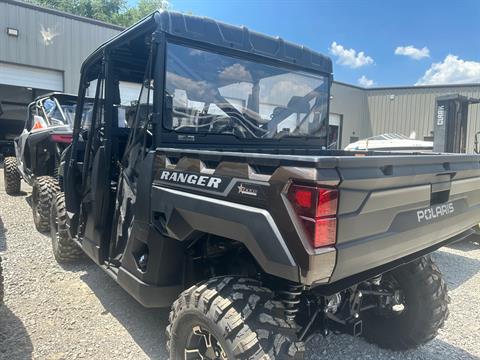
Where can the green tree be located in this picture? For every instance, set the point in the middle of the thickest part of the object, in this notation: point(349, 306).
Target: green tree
point(142, 9)
point(112, 11)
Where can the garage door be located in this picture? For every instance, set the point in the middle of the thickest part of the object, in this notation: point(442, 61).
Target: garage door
point(334, 131)
point(335, 119)
point(26, 76)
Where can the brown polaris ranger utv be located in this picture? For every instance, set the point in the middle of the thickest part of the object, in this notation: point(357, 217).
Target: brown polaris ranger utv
point(215, 194)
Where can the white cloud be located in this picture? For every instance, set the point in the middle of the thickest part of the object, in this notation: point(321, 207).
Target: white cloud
point(365, 82)
point(350, 57)
point(412, 52)
point(451, 71)
point(235, 73)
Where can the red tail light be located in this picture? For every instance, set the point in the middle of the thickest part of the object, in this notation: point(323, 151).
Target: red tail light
point(316, 208)
point(62, 138)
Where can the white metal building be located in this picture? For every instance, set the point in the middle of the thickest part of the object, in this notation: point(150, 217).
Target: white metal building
point(409, 111)
point(42, 50)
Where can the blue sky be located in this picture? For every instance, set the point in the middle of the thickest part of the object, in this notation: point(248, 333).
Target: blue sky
point(438, 41)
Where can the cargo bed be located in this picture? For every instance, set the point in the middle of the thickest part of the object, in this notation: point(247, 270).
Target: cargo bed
point(391, 206)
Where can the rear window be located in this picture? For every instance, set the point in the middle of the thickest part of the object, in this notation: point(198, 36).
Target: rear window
point(211, 93)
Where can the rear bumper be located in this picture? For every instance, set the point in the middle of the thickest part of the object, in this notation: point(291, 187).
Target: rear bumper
point(395, 223)
point(334, 287)
point(364, 254)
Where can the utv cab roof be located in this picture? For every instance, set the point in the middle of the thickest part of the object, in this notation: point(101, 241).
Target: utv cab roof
point(207, 31)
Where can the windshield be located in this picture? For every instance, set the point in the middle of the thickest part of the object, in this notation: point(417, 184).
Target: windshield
point(62, 112)
point(52, 112)
point(58, 113)
point(391, 136)
point(211, 93)
point(69, 112)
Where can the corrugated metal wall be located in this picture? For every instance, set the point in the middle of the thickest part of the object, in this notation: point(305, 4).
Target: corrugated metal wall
point(351, 103)
point(407, 111)
point(411, 110)
point(49, 40)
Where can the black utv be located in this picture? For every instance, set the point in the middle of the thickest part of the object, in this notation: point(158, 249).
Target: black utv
point(46, 134)
point(215, 194)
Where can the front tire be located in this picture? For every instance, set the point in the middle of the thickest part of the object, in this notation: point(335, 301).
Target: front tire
point(425, 302)
point(11, 176)
point(64, 248)
point(231, 318)
point(43, 194)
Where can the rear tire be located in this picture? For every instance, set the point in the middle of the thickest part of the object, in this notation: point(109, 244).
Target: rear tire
point(43, 194)
point(426, 308)
point(63, 246)
point(240, 315)
point(11, 175)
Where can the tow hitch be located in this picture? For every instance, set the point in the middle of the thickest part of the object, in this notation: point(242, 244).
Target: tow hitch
point(342, 312)
point(348, 320)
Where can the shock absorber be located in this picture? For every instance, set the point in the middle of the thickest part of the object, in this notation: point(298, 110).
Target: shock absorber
point(290, 297)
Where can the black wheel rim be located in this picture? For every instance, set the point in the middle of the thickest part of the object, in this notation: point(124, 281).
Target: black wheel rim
point(201, 344)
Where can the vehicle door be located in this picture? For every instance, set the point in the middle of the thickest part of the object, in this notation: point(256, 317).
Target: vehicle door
point(84, 158)
point(135, 170)
point(104, 138)
point(95, 188)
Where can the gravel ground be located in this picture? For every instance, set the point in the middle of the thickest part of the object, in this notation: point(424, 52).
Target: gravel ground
point(77, 311)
